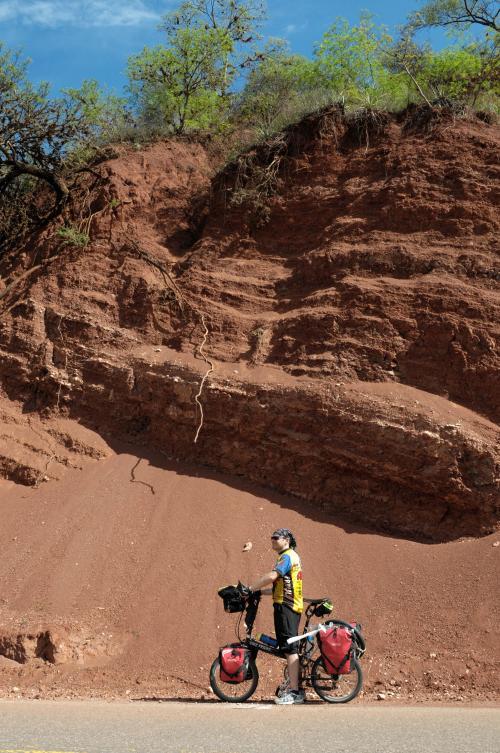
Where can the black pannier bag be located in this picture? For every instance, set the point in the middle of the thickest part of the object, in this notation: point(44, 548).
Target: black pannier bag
point(232, 598)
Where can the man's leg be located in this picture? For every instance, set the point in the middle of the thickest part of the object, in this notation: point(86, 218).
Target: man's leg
point(286, 623)
point(293, 663)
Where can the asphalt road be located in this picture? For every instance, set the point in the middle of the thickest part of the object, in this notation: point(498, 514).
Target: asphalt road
point(99, 727)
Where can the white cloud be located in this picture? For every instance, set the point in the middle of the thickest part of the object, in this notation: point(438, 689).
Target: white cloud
point(7, 11)
point(55, 13)
point(295, 28)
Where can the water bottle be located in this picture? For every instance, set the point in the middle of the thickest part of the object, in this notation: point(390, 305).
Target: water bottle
point(267, 639)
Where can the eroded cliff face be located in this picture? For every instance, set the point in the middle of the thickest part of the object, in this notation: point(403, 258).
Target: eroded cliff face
point(344, 352)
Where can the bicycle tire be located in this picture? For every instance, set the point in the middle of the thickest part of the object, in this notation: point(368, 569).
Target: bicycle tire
point(227, 691)
point(330, 687)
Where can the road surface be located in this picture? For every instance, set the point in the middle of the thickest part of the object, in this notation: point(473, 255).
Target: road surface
point(151, 727)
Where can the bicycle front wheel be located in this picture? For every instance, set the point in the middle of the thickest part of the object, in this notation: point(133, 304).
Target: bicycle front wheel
point(336, 688)
point(235, 692)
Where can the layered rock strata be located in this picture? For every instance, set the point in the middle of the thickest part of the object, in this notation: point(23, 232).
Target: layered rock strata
point(349, 344)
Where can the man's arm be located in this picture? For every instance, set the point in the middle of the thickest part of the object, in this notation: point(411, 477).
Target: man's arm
point(266, 580)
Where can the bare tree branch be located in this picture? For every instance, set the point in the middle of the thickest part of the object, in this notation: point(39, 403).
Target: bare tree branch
point(435, 13)
point(36, 133)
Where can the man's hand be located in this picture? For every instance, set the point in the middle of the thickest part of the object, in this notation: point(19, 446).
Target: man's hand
point(244, 590)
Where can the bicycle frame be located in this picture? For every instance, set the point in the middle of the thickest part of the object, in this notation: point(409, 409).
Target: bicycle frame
point(305, 649)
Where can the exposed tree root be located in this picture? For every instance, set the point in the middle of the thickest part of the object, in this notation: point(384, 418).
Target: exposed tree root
point(167, 277)
point(15, 282)
point(134, 480)
point(184, 305)
point(205, 377)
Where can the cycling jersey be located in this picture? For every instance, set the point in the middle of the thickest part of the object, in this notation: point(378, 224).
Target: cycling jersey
point(287, 589)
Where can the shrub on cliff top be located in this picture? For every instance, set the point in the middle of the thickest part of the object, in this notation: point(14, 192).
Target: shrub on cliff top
point(279, 91)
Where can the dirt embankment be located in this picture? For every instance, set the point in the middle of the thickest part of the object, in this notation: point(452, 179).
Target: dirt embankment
point(108, 585)
point(344, 352)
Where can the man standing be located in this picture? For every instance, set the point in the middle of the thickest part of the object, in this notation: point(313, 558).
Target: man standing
point(286, 579)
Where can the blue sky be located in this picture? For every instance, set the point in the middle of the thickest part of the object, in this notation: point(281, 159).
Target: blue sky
point(71, 40)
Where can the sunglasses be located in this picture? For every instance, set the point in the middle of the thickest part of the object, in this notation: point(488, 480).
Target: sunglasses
point(275, 538)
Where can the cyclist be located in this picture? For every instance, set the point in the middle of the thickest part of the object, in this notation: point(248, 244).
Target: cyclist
point(286, 579)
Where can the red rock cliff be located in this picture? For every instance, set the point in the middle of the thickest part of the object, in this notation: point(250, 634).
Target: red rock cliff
point(350, 342)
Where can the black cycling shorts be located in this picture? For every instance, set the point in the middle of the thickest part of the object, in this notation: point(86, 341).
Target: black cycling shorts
point(286, 625)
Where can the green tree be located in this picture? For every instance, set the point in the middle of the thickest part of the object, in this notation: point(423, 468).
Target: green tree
point(186, 83)
point(238, 20)
point(104, 111)
point(407, 58)
point(181, 84)
point(351, 62)
point(460, 74)
point(477, 80)
point(463, 74)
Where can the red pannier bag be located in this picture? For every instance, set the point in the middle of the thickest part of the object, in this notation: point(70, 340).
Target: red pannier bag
point(335, 644)
point(234, 664)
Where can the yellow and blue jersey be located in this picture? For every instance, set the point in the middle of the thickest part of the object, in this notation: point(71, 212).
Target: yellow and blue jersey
point(287, 588)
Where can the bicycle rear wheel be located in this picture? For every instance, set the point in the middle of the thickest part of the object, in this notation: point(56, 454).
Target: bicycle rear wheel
point(336, 688)
point(235, 692)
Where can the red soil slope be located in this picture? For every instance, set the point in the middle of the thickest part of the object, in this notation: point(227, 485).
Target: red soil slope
point(109, 577)
point(345, 354)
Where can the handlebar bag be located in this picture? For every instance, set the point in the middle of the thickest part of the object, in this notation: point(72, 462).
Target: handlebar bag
point(234, 662)
point(232, 598)
point(336, 647)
